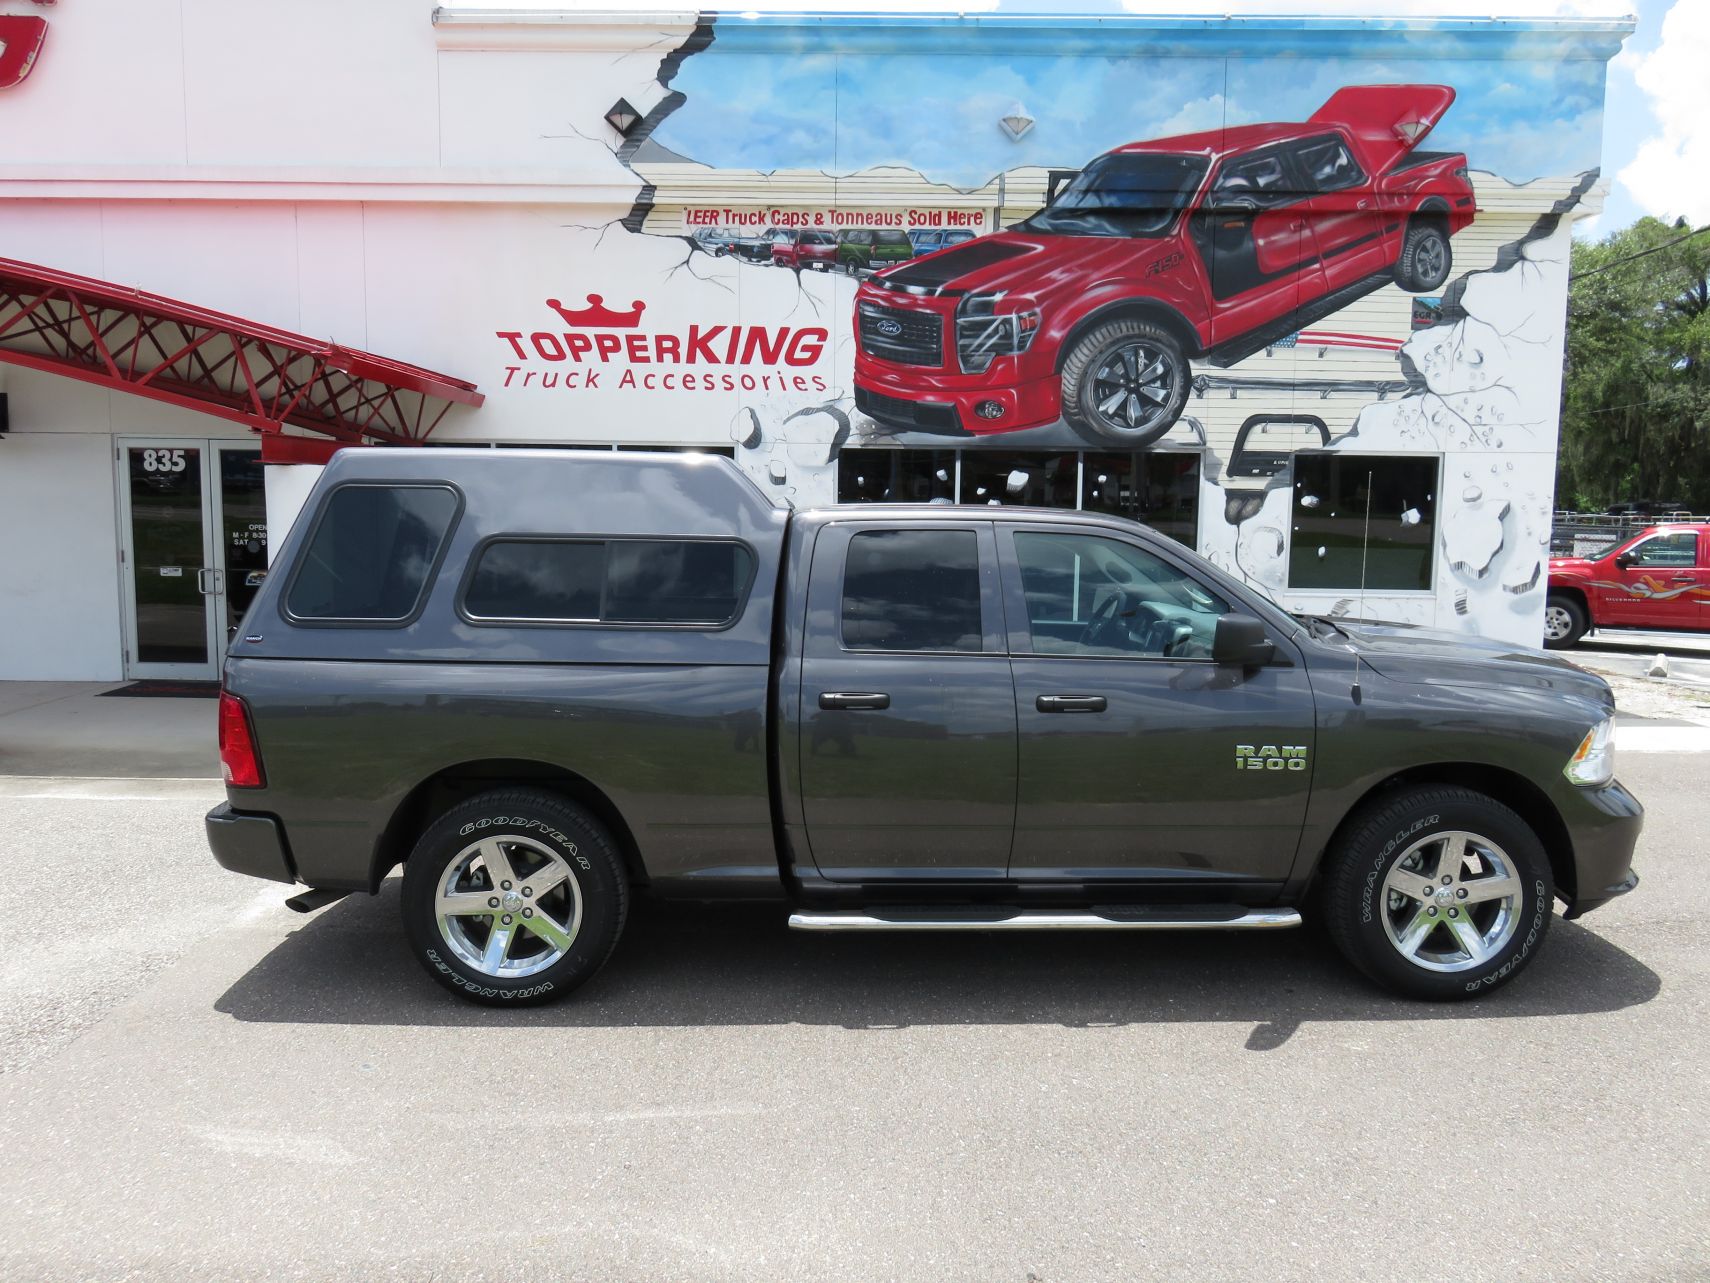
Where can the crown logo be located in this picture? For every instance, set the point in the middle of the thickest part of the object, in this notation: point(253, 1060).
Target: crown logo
point(597, 316)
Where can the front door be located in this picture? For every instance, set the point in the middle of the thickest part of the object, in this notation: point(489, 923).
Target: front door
point(1657, 587)
point(1139, 758)
point(907, 751)
point(1251, 234)
point(193, 527)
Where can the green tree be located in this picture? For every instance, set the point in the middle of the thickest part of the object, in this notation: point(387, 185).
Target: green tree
point(1636, 396)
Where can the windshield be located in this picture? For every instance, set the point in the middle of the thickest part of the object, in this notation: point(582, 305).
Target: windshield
point(1132, 194)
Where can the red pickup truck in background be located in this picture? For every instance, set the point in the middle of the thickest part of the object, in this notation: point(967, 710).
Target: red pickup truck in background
point(1658, 578)
point(1205, 246)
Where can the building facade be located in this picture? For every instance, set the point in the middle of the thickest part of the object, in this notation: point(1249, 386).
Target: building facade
point(1290, 290)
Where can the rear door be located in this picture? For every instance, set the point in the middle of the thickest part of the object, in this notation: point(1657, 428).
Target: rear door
point(907, 752)
point(1139, 758)
point(1341, 211)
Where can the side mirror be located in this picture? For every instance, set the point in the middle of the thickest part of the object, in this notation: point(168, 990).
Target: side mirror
point(1233, 205)
point(1625, 559)
point(1240, 641)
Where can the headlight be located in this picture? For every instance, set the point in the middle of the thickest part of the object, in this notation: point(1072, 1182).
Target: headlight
point(982, 334)
point(1593, 762)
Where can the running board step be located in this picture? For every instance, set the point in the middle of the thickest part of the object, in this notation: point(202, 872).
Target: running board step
point(1126, 918)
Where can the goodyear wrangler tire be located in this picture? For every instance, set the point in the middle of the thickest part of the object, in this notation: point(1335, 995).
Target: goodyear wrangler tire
point(514, 897)
point(1425, 259)
point(1124, 383)
point(1438, 893)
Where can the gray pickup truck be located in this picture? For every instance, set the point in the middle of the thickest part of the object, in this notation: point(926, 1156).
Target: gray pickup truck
point(545, 682)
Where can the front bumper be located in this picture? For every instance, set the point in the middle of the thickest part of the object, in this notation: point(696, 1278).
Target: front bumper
point(886, 391)
point(250, 844)
point(1605, 824)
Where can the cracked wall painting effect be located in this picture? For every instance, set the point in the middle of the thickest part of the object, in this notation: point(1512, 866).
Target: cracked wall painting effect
point(843, 241)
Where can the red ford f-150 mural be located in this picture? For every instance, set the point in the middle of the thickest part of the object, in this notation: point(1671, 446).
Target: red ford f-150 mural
point(1207, 246)
point(1658, 578)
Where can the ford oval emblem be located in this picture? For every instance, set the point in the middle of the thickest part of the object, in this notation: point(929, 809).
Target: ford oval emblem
point(889, 328)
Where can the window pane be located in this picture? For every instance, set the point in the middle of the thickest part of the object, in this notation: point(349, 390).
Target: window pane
point(1668, 550)
point(371, 552)
point(1356, 514)
point(676, 581)
point(1160, 489)
point(537, 579)
point(896, 476)
point(1091, 596)
point(1019, 480)
point(912, 590)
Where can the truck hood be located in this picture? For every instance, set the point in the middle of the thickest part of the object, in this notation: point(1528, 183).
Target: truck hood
point(1433, 657)
point(1570, 565)
point(1038, 264)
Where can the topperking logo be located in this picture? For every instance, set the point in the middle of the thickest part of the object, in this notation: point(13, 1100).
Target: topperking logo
point(597, 347)
point(21, 39)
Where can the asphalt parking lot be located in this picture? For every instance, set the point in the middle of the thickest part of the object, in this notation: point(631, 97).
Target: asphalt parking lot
point(196, 1083)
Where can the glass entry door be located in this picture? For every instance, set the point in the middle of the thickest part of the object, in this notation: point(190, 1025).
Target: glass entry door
point(194, 524)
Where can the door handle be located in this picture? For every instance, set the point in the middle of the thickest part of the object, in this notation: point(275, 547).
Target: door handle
point(854, 699)
point(1070, 703)
point(1683, 579)
point(207, 581)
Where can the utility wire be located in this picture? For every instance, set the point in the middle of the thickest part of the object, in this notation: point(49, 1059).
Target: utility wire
point(1628, 258)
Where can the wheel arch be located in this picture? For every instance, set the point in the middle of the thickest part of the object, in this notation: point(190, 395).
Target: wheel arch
point(1510, 788)
point(445, 788)
point(1573, 592)
point(1144, 309)
point(1432, 207)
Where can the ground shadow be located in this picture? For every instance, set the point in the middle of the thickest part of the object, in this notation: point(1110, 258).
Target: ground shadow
point(686, 965)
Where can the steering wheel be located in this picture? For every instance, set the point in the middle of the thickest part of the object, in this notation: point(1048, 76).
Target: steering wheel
point(1103, 622)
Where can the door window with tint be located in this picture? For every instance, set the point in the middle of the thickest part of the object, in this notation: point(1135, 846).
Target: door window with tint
point(1087, 595)
point(1328, 165)
point(1263, 179)
point(1667, 550)
point(915, 590)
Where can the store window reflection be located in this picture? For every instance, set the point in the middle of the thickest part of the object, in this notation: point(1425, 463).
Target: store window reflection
point(1019, 480)
point(1158, 488)
point(896, 476)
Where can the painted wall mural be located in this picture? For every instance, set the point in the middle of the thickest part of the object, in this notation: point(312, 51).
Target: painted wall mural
point(1330, 263)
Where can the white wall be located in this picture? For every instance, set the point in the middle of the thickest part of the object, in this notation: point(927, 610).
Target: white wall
point(59, 572)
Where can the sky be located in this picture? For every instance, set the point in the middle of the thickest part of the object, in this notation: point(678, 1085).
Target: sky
point(1656, 125)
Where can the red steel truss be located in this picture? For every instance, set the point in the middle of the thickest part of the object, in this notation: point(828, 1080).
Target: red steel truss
point(264, 378)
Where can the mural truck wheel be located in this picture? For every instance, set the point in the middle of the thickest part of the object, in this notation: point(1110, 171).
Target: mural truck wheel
point(1564, 621)
point(1124, 383)
point(1425, 257)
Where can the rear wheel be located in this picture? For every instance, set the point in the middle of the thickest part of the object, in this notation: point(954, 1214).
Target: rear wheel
point(1124, 383)
point(1425, 256)
point(514, 897)
point(1564, 621)
point(1438, 893)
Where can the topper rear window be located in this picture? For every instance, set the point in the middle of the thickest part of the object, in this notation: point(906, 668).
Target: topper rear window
point(371, 554)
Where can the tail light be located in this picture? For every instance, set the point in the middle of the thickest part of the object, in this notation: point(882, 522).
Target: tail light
point(238, 758)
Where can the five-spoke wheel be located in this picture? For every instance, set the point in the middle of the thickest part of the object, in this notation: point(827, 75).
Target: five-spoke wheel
point(1124, 383)
point(515, 896)
point(1437, 891)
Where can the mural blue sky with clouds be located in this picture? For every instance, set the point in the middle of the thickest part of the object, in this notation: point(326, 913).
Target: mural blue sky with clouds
point(1522, 110)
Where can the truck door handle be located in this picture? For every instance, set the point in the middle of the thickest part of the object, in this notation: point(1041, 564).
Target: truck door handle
point(1683, 579)
point(1070, 703)
point(854, 699)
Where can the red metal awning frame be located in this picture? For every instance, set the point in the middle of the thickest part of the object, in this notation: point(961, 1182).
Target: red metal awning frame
point(253, 374)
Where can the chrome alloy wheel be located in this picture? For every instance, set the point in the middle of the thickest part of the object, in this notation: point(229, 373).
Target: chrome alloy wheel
point(508, 907)
point(1557, 623)
point(1133, 386)
point(1451, 902)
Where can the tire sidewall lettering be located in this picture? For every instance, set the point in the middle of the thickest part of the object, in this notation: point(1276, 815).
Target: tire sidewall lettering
point(1380, 866)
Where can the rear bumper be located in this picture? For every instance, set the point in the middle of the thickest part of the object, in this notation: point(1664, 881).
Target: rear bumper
point(250, 844)
point(1605, 824)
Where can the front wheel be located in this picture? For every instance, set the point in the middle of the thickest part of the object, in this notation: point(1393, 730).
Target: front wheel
point(1564, 621)
point(514, 897)
point(1124, 383)
point(1438, 893)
